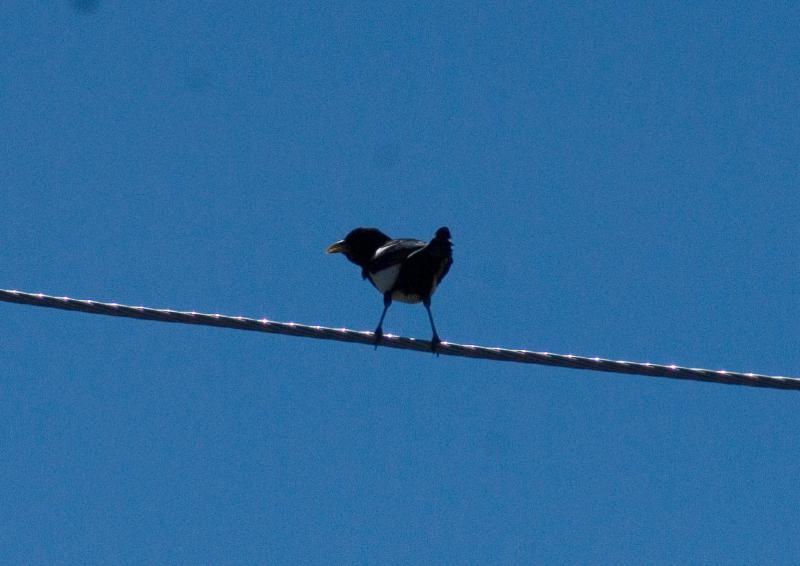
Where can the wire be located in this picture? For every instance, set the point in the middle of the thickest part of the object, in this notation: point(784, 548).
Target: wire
point(391, 341)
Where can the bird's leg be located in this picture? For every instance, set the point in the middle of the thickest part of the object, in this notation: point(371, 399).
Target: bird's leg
point(387, 301)
point(435, 340)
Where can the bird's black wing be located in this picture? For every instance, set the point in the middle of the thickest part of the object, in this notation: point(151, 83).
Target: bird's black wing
point(445, 268)
point(393, 253)
point(434, 259)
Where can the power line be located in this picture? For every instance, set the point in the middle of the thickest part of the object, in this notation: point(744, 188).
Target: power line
point(390, 341)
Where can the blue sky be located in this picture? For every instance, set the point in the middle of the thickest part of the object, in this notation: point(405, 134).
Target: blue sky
point(620, 180)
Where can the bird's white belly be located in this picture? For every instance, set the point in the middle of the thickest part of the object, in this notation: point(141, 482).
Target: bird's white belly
point(404, 298)
point(384, 280)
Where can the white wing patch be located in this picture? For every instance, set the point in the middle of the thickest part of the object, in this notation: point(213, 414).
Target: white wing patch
point(380, 250)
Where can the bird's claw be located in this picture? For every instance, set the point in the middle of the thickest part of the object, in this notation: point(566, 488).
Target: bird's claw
point(378, 337)
point(435, 341)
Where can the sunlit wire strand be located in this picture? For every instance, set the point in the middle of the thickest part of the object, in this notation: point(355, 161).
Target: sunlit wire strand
point(390, 341)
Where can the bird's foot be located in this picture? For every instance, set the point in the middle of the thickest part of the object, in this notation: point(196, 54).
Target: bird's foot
point(435, 341)
point(378, 336)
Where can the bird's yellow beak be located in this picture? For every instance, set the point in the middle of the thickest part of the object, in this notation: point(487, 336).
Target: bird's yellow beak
point(337, 247)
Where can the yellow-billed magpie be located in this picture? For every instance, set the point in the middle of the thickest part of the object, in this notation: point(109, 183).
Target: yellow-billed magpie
point(404, 270)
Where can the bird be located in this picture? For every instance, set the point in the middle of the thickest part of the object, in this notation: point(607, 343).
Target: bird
point(403, 269)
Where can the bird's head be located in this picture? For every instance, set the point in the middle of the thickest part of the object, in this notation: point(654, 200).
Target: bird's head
point(443, 233)
point(359, 245)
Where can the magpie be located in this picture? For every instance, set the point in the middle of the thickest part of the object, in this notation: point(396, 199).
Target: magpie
point(404, 270)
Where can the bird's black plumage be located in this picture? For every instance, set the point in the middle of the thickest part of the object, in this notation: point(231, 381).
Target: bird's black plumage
point(405, 270)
